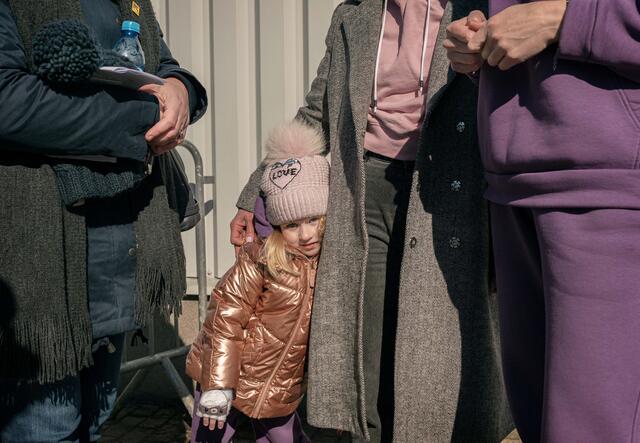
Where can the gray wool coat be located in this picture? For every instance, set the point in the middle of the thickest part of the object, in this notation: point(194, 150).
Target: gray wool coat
point(448, 381)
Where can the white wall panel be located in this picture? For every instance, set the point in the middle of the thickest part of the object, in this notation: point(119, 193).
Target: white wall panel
point(256, 59)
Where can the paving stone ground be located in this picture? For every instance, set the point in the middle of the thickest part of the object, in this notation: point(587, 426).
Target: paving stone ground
point(144, 421)
point(147, 421)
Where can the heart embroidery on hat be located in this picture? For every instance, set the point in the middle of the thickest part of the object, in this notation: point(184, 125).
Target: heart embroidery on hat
point(283, 173)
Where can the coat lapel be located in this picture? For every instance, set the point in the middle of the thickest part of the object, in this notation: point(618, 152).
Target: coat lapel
point(440, 76)
point(362, 30)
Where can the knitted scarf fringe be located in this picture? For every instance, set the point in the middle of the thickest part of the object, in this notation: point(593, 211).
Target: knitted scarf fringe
point(60, 352)
point(161, 275)
point(166, 286)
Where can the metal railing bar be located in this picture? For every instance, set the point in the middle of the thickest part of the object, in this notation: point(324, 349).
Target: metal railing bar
point(178, 384)
point(154, 359)
point(164, 358)
point(201, 257)
point(133, 384)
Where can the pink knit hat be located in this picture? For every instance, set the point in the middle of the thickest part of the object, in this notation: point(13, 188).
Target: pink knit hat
point(296, 178)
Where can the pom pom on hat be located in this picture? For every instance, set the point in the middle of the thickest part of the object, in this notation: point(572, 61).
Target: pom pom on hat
point(296, 177)
point(294, 139)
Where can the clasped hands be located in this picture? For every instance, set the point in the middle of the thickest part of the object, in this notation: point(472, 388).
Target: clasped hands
point(509, 38)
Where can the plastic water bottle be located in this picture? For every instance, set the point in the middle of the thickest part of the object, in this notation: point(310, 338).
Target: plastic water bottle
point(129, 44)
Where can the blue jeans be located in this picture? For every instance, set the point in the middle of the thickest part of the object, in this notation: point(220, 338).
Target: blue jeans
point(71, 410)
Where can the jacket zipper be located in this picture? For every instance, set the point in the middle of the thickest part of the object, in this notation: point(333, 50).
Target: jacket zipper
point(265, 388)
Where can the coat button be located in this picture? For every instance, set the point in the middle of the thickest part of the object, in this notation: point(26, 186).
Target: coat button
point(455, 242)
point(460, 127)
point(133, 252)
point(456, 185)
point(413, 242)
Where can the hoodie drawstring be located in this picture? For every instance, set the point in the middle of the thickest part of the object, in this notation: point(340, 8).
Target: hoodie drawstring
point(425, 41)
point(374, 105)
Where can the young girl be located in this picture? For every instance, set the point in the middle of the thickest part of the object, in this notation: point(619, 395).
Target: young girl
point(251, 350)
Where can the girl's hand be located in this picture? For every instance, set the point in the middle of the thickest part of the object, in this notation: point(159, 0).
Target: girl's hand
point(211, 422)
point(214, 407)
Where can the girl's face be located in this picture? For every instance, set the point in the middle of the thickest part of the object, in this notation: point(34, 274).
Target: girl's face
point(305, 235)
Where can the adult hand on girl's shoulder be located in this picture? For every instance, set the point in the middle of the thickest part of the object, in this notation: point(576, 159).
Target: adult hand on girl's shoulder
point(242, 230)
point(214, 407)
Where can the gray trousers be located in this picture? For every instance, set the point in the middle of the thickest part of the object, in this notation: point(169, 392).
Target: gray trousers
point(388, 186)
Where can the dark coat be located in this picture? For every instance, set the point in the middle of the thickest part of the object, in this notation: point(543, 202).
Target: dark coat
point(43, 121)
point(448, 382)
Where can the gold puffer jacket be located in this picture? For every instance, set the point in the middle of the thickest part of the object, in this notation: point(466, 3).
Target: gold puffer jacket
point(254, 339)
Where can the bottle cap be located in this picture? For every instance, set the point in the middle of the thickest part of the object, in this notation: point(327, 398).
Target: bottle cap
point(131, 26)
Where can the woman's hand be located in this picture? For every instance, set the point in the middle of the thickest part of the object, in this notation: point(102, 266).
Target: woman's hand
point(519, 32)
point(242, 230)
point(464, 58)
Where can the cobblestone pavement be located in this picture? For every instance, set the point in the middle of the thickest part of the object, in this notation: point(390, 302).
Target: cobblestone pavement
point(147, 421)
point(143, 421)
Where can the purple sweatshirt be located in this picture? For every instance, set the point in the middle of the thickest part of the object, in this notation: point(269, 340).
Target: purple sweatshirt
point(567, 134)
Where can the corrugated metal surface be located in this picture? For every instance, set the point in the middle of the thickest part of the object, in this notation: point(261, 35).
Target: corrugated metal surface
point(256, 58)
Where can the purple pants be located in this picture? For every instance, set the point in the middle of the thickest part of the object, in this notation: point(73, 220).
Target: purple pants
point(267, 430)
point(569, 294)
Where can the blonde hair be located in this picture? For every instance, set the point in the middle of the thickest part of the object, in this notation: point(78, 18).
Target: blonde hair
point(275, 253)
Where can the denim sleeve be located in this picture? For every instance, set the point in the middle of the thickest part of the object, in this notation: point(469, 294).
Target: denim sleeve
point(36, 118)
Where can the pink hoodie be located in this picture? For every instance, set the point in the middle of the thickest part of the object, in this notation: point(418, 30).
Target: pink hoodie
point(393, 127)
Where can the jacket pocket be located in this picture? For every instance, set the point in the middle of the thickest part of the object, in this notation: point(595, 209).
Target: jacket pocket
point(251, 355)
point(631, 104)
point(631, 101)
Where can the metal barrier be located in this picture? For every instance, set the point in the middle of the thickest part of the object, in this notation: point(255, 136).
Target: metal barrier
point(201, 256)
point(141, 365)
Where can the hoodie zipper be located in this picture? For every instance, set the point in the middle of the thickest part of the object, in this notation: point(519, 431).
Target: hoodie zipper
point(425, 41)
point(267, 385)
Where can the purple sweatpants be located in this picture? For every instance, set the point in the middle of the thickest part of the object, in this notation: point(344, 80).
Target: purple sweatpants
point(569, 294)
point(267, 430)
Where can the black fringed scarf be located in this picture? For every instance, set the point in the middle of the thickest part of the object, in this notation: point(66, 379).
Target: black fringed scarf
point(45, 331)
